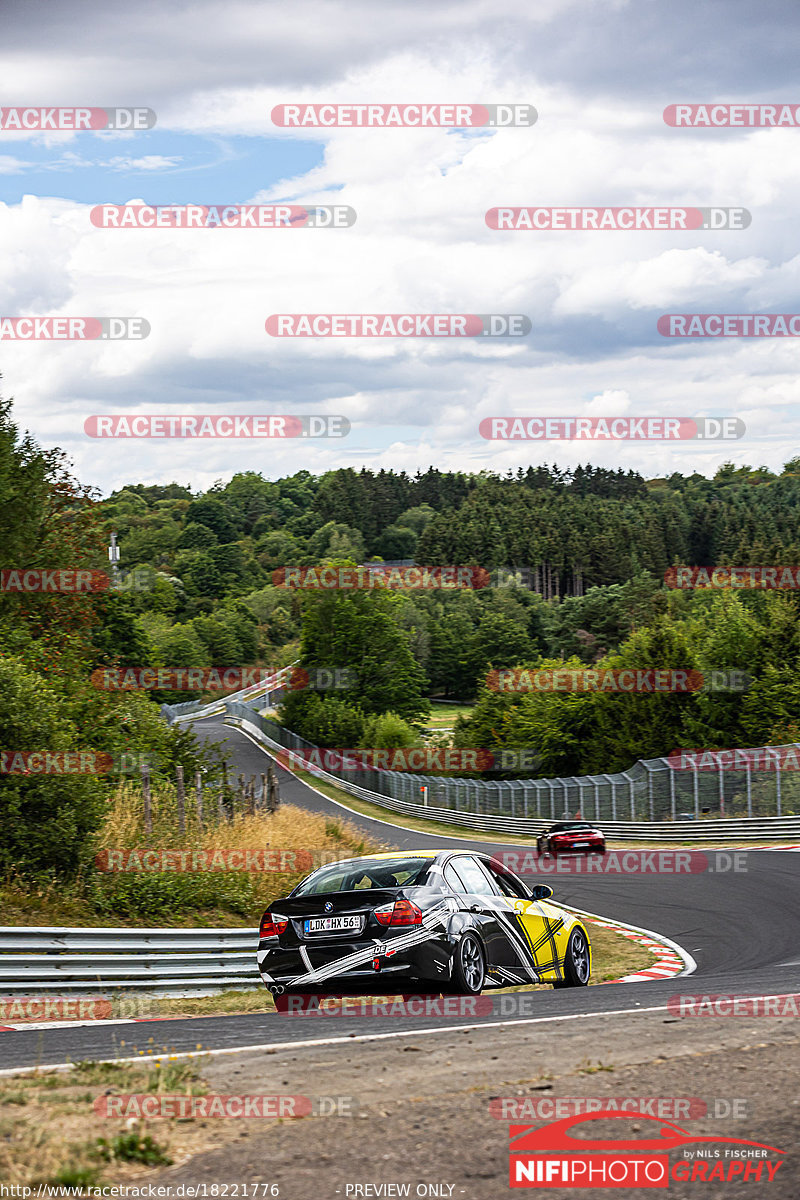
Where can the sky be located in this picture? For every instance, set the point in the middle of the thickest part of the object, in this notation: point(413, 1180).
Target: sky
point(599, 75)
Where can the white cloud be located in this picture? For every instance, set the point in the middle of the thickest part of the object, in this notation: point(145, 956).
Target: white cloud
point(420, 245)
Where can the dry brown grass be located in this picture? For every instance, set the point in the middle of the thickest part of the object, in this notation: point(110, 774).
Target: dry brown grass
point(49, 1131)
point(289, 829)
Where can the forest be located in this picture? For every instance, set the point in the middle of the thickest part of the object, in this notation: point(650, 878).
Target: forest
point(576, 559)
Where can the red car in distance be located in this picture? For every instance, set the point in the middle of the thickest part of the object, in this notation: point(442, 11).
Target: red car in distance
point(567, 836)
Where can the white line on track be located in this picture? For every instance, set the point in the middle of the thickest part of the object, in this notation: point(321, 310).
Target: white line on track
point(348, 1039)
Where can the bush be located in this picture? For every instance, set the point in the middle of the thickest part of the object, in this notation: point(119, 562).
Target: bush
point(46, 818)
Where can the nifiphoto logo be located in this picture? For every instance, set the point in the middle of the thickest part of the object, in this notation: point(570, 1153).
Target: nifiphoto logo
point(554, 1156)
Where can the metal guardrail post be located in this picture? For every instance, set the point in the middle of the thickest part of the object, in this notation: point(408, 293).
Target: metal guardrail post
point(696, 794)
point(749, 777)
point(672, 807)
point(613, 783)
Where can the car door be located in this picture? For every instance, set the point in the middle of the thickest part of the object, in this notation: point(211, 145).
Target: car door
point(541, 926)
point(480, 896)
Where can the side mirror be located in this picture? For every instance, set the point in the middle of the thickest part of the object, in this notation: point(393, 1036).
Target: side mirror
point(541, 891)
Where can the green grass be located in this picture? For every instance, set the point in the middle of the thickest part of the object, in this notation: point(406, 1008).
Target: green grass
point(444, 716)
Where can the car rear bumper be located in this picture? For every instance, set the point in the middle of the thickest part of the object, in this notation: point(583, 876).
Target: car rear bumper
point(329, 965)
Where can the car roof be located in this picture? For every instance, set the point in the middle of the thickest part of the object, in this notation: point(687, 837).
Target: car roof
point(388, 855)
point(400, 854)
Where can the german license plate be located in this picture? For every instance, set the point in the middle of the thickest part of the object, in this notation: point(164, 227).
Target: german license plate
point(331, 924)
point(580, 845)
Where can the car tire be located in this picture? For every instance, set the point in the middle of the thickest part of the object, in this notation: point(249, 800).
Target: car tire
point(540, 846)
point(576, 961)
point(469, 966)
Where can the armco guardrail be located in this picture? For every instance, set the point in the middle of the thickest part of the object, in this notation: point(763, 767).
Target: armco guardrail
point(268, 690)
point(38, 960)
point(552, 794)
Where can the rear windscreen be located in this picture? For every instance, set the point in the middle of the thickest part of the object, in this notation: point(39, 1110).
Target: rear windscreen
point(366, 873)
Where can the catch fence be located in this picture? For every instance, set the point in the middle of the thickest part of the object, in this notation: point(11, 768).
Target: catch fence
point(651, 791)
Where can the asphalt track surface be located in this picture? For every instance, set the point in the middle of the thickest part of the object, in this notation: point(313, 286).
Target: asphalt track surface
point(742, 929)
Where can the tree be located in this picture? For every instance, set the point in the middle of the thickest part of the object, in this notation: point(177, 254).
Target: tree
point(360, 630)
point(46, 817)
point(396, 542)
point(214, 514)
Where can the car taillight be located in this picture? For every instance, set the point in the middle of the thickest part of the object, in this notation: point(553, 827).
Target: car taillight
point(402, 912)
point(272, 924)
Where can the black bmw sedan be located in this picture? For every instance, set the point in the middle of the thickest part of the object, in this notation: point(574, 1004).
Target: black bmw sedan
point(451, 920)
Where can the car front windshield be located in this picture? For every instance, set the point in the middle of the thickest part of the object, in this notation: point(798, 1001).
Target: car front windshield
point(364, 873)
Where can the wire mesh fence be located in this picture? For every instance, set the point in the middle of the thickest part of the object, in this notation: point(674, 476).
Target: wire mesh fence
point(765, 783)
